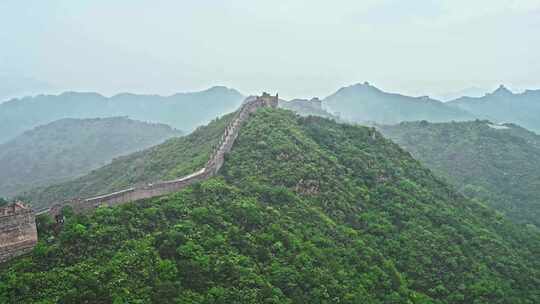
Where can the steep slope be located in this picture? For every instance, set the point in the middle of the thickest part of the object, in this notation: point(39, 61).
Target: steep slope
point(365, 103)
point(68, 148)
point(174, 158)
point(305, 211)
point(497, 164)
point(183, 111)
point(503, 106)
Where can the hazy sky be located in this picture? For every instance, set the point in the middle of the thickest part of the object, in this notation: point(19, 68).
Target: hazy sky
point(299, 48)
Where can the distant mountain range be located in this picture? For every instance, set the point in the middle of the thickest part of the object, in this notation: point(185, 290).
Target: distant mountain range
point(68, 148)
point(359, 103)
point(467, 92)
point(504, 106)
point(364, 103)
point(498, 164)
point(183, 111)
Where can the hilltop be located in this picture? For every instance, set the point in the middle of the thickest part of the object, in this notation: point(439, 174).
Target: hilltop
point(304, 210)
point(68, 148)
point(183, 111)
point(502, 106)
point(365, 103)
point(467, 92)
point(498, 164)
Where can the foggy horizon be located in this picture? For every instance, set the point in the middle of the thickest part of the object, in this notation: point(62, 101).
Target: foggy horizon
point(299, 49)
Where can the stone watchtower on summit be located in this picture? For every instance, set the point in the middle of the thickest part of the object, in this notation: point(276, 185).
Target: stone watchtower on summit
point(269, 100)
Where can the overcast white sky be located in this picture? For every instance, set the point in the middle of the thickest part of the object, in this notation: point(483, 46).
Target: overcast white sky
point(300, 48)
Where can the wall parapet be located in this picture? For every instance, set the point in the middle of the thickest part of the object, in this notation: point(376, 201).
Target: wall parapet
point(18, 233)
point(211, 167)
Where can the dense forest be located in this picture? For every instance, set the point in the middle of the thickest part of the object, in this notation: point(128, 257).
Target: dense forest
point(498, 164)
point(305, 210)
point(171, 159)
point(69, 148)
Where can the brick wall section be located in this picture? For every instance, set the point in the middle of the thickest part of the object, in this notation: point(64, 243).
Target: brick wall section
point(161, 188)
point(18, 234)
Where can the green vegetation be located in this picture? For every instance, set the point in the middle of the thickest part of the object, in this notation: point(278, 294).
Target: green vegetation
point(496, 164)
point(69, 148)
point(183, 111)
point(174, 158)
point(3, 201)
point(364, 103)
point(304, 211)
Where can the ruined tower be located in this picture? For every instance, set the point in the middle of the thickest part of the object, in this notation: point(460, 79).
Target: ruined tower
point(18, 234)
point(269, 100)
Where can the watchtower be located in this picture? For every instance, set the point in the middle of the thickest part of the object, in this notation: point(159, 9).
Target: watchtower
point(269, 100)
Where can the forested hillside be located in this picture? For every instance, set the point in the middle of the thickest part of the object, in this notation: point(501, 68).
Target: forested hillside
point(68, 148)
point(305, 210)
point(171, 159)
point(498, 164)
point(183, 111)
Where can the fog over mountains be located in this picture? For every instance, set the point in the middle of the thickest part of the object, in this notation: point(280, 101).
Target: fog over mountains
point(68, 148)
point(377, 152)
point(366, 103)
point(183, 111)
point(504, 106)
point(468, 92)
point(359, 103)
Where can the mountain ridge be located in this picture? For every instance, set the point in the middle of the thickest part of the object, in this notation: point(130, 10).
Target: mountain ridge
point(70, 147)
point(304, 210)
point(502, 105)
point(497, 164)
point(21, 114)
point(366, 103)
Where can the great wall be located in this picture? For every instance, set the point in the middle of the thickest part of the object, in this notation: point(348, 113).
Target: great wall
point(18, 234)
